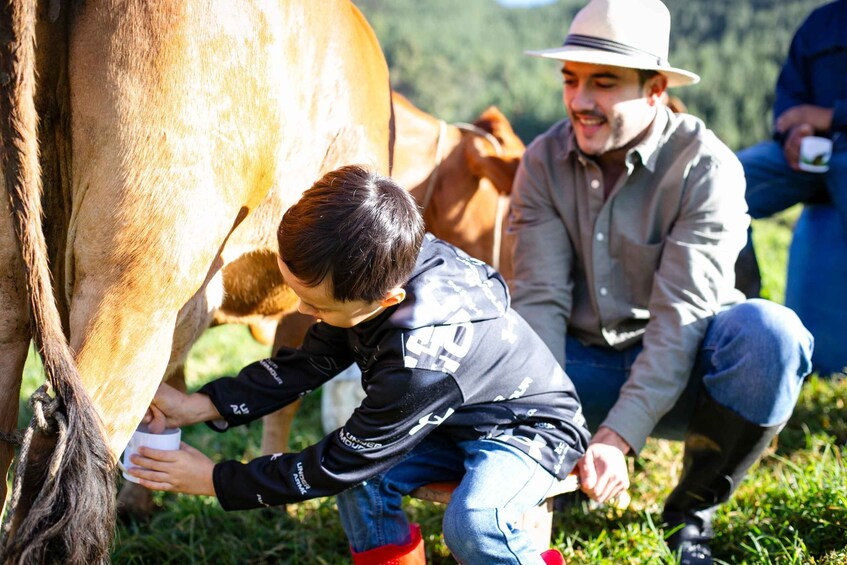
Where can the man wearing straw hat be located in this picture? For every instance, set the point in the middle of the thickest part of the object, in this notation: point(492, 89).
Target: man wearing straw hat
point(628, 220)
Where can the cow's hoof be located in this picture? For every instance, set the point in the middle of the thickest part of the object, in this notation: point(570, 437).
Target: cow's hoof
point(135, 503)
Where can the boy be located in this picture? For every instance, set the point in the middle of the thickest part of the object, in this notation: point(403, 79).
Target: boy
point(457, 387)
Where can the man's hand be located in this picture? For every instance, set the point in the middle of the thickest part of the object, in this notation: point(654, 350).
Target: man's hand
point(173, 409)
point(185, 470)
point(791, 150)
point(603, 472)
point(819, 118)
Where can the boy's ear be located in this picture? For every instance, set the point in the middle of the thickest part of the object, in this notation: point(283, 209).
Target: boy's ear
point(393, 297)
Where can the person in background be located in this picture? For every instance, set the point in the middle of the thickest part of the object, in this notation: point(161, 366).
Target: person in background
point(627, 221)
point(811, 99)
point(457, 387)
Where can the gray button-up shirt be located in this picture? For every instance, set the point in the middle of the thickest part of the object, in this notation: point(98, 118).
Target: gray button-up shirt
point(652, 262)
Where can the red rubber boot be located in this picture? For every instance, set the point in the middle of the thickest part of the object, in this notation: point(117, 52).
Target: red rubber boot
point(410, 554)
point(553, 557)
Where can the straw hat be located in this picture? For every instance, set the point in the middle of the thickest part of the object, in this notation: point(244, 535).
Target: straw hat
point(622, 33)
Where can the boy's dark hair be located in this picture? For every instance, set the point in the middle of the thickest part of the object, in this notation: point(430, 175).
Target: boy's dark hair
point(356, 227)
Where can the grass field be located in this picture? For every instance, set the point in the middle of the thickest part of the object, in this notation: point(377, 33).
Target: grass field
point(791, 509)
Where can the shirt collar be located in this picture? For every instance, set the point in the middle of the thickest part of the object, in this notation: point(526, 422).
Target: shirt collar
point(648, 149)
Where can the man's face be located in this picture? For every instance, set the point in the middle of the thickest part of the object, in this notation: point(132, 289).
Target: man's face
point(608, 107)
point(318, 301)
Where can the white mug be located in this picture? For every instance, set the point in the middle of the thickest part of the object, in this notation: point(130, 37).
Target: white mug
point(167, 440)
point(815, 153)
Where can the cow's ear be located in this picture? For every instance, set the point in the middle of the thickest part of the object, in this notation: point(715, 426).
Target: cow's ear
point(480, 150)
point(493, 121)
point(484, 161)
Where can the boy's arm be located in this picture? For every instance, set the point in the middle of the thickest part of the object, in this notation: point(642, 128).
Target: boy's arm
point(269, 384)
point(401, 408)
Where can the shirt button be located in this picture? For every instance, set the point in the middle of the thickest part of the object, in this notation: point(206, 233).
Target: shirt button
point(600, 236)
point(603, 291)
point(595, 184)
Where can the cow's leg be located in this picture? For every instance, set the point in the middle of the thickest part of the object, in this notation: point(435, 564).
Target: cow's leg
point(276, 429)
point(265, 331)
point(134, 501)
point(12, 358)
point(13, 352)
point(14, 337)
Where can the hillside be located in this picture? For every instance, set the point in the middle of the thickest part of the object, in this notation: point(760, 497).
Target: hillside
point(453, 59)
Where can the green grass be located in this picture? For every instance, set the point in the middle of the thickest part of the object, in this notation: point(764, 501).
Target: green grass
point(771, 239)
point(792, 508)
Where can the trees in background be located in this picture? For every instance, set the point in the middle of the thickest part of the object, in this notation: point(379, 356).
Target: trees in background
point(455, 58)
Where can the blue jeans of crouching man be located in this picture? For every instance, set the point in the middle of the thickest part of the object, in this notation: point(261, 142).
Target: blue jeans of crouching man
point(742, 390)
point(498, 484)
point(752, 361)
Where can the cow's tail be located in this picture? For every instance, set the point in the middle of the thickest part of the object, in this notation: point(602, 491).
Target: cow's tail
point(69, 494)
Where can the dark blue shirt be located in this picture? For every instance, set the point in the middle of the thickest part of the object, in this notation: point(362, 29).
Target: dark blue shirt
point(816, 70)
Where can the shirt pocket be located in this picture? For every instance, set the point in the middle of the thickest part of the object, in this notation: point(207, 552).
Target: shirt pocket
point(639, 262)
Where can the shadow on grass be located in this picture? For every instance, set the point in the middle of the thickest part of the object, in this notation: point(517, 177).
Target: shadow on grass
point(593, 522)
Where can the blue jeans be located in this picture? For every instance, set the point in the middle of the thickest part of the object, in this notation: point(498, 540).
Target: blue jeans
point(752, 360)
point(817, 271)
point(498, 483)
point(773, 186)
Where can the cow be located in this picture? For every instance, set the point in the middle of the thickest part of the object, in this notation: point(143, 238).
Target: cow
point(173, 134)
point(461, 175)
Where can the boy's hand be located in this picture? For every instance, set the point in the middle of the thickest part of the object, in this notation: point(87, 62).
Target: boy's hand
point(164, 410)
point(185, 470)
point(603, 472)
point(173, 409)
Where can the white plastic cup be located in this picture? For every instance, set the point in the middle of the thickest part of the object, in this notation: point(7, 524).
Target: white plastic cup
point(167, 440)
point(815, 153)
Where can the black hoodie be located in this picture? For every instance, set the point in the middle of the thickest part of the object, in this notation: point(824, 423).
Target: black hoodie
point(451, 359)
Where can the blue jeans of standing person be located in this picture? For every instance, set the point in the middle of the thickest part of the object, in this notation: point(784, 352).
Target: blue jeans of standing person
point(773, 186)
point(753, 360)
point(498, 483)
